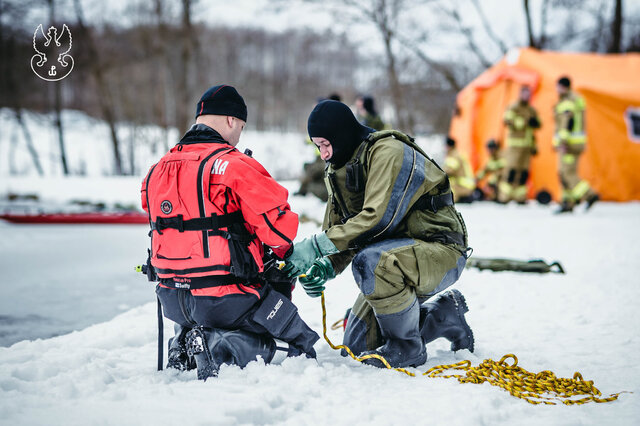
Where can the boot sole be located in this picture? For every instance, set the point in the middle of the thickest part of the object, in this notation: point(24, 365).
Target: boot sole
point(416, 362)
point(461, 309)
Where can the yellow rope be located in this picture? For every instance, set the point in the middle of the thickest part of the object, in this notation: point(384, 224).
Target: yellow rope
point(516, 380)
point(357, 358)
point(338, 324)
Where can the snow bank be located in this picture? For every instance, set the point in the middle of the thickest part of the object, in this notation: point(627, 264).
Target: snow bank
point(586, 321)
point(89, 151)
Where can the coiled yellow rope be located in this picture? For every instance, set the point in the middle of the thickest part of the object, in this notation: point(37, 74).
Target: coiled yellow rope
point(523, 384)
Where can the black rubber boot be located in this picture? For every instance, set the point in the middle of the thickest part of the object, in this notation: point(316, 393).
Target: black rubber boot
point(565, 207)
point(239, 347)
point(178, 357)
point(592, 200)
point(404, 346)
point(198, 348)
point(443, 316)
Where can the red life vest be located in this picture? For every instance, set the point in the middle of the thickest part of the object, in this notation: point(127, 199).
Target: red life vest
point(190, 235)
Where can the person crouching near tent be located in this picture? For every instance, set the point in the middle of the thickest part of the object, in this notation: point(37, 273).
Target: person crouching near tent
point(213, 211)
point(521, 120)
point(492, 171)
point(391, 214)
point(569, 141)
point(459, 171)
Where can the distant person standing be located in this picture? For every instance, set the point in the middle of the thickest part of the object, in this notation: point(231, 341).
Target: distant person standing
point(492, 171)
point(521, 120)
point(367, 114)
point(569, 142)
point(459, 171)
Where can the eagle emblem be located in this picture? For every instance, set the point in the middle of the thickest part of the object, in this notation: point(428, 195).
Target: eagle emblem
point(52, 61)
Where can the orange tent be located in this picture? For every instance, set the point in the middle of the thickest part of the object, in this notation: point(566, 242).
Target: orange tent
point(610, 85)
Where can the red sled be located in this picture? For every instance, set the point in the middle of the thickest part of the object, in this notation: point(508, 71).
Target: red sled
point(78, 218)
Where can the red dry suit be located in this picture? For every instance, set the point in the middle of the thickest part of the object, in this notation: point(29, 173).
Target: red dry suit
point(211, 209)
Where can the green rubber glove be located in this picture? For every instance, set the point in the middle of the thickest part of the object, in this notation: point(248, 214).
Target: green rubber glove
point(306, 252)
point(315, 278)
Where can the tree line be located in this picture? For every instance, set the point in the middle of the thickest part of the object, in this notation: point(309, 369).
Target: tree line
point(153, 70)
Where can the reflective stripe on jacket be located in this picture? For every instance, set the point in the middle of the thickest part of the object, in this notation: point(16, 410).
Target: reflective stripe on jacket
point(569, 115)
point(459, 169)
point(518, 118)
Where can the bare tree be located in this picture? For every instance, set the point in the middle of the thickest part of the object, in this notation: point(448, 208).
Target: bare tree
point(442, 69)
point(9, 80)
point(104, 94)
point(57, 104)
point(542, 38)
point(29, 140)
point(616, 29)
point(163, 67)
point(527, 14)
point(186, 77)
point(467, 32)
point(384, 15)
point(487, 27)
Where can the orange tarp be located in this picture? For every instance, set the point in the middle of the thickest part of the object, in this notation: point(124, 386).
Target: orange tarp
point(610, 85)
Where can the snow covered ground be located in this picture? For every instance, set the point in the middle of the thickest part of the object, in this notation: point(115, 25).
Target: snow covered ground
point(70, 282)
point(586, 320)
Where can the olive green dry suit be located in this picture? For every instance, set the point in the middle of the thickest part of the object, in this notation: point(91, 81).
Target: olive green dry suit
point(391, 212)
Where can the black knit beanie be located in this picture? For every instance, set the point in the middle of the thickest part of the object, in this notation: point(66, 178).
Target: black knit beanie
point(222, 100)
point(368, 105)
point(565, 82)
point(335, 122)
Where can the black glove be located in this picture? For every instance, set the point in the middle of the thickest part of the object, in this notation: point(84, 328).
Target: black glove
point(534, 122)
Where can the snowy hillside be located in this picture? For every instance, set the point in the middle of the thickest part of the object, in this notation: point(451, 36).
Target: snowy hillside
point(586, 320)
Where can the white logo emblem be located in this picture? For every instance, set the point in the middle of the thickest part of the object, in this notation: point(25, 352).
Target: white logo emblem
point(275, 310)
point(52, 61)
point(219, 167)
point(166, 207)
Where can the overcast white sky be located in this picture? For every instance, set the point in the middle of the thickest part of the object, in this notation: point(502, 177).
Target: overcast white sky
point(505, 16)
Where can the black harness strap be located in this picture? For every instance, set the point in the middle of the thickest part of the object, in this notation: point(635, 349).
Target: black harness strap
point(446, 237)
point(197, 283)
point(212, 222)
point(433, 202)
point(213, 268)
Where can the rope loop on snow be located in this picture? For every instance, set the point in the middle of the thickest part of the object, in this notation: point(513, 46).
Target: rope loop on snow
point(346, 348)
point(535, 388)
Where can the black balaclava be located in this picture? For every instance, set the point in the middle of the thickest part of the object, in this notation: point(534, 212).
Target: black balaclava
point(368, 105)
point(335, 122)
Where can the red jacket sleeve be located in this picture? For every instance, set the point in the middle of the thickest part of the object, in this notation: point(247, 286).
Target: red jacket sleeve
point(143, 194)
point(262, 200)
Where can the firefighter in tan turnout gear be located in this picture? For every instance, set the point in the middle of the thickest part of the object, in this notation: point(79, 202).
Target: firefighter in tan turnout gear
point(460, 175)
point(391, 213)
point(492, 171)
point(569, 142)
point(521, 120)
